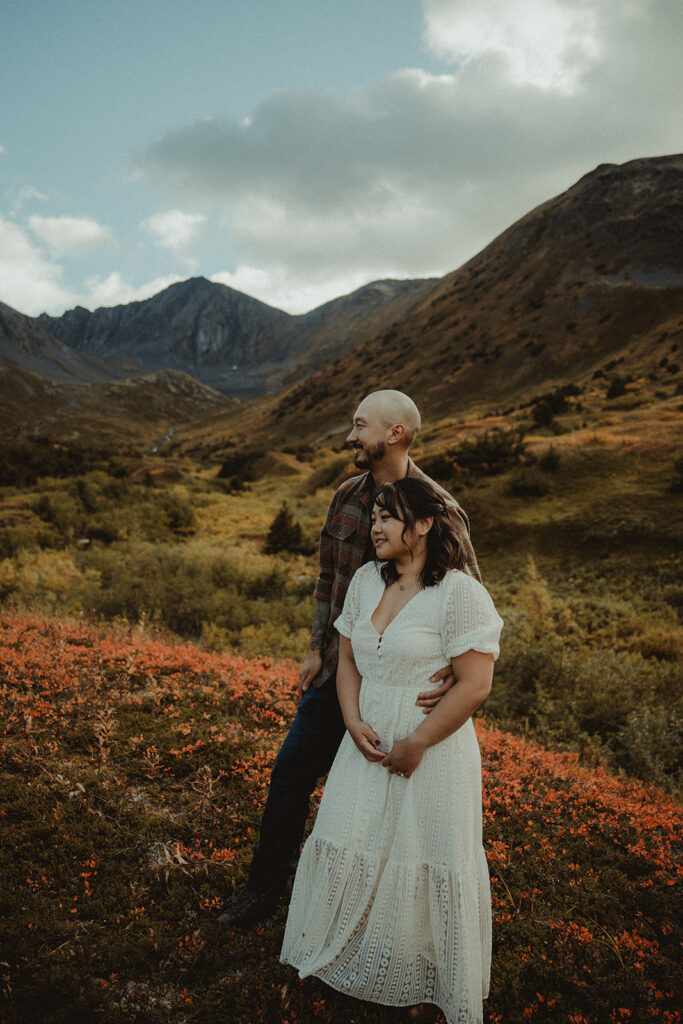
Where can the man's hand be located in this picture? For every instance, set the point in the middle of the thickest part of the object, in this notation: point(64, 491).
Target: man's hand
point(310, 670)
point(430, 698)
point(367, 740)
point(404, 757)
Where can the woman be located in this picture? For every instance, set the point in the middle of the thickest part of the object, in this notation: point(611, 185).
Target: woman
point(391, 900)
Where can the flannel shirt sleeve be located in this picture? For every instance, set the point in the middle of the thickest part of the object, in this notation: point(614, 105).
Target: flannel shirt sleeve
point(459, 519)
point(323, 586)
point(347, 620)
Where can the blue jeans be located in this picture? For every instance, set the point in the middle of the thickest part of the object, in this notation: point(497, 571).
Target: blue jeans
point(305, 756)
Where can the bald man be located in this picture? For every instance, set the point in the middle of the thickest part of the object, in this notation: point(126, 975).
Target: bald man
point(385, 425)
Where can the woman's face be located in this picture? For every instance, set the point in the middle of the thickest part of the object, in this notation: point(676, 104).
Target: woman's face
point(386, 535)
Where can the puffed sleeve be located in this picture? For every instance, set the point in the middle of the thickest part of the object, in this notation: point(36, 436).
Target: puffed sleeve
point(469, 620)
point(351, 610)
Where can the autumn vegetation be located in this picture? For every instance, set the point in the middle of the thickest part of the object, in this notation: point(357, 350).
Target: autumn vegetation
point(153, 611)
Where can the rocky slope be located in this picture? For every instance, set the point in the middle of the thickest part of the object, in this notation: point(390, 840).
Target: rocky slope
point(227, 339)
point(590, 282)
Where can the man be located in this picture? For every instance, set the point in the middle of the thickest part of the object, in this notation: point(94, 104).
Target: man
point(384, 427)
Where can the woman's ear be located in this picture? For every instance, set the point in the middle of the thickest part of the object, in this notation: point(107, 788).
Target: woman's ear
point(423, 526)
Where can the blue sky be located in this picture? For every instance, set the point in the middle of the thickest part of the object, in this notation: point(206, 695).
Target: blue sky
point(296, 150)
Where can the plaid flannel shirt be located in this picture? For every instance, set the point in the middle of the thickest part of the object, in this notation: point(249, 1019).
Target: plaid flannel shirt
point(345, 545)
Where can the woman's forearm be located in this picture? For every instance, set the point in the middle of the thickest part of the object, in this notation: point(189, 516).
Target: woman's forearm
point(348, 683)
point(473, 674)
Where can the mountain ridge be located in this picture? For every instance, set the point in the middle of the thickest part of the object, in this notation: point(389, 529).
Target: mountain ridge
point(587, 281)
point(228, 339)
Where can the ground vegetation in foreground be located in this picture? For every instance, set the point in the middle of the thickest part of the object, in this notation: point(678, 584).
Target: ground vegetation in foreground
point(133, 771)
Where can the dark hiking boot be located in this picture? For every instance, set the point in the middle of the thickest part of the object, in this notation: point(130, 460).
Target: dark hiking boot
point(247, 908)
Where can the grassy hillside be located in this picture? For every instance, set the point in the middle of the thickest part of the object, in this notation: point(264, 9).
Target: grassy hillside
point(133, 775)
point(577, 525)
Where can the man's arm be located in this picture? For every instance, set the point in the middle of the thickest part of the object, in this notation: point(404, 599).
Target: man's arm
point(321, 619)
point(313, 662)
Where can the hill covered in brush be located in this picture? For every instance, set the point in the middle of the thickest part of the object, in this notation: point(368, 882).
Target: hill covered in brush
point(589, 285)
point(134, 772)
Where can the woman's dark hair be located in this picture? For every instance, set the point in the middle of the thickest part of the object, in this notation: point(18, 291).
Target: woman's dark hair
point(410, 499)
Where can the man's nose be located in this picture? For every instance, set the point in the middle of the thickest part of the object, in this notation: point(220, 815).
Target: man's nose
point(352, 437)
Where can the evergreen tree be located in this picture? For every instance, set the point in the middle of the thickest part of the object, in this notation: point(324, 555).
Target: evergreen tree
point(285, 533)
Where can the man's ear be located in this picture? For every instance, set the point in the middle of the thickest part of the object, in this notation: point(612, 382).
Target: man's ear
point(396, 434)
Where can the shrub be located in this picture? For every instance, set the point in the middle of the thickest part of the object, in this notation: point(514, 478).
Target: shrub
point(617, 388)
point(491, 453)
point(528, 483)
point(549, 461)
point(179, 513)
point(241, 465)
point(439, 467)
point(63, 511)
point(285, 534)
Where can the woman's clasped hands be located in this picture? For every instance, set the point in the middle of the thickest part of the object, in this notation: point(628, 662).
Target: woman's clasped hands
point(402, 759)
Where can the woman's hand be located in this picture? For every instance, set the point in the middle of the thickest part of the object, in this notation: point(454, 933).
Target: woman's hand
point(367, 740)
point(404, 757)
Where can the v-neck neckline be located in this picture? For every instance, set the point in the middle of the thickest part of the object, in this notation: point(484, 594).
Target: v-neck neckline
point(391, 621)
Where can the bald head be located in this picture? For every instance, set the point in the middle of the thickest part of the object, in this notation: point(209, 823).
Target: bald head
point(394, 408)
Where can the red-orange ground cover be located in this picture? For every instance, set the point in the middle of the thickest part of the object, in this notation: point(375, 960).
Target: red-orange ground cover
point(133, 773)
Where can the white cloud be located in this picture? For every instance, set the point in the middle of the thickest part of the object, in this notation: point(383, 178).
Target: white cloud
point(27, 194)
point(411, 175)
point(114, 290)
point(30, 282)
point(175, 230)
point(286, 291)
point(546, 43)
point(33, 284)
point(70, 236)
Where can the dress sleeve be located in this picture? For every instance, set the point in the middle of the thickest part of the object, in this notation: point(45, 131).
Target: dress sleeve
point(469, 620)
point(351, 610)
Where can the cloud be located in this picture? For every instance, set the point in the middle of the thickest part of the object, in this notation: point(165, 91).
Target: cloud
point(34, 284)
point(31, 283)
point(174, 230)
point(70, 236)
point(114, 290)
point(412, 174)
point(546, 43)
point(25, 195)
point(284, 290)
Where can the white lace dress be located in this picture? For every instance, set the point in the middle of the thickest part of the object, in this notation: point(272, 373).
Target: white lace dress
point(391, 901)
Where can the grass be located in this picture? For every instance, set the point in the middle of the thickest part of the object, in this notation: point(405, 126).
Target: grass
point(134, 772)
point(134, 766)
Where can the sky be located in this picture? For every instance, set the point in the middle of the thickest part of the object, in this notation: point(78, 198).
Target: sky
point(298, 149)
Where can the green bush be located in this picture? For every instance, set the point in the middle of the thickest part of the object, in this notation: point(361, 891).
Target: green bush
point(63, 511)
point(439, 467)
point(285, 534)
point(491, 453)
point(549, 461)
point(528, 483)
point(618, 703)
point(241, 465)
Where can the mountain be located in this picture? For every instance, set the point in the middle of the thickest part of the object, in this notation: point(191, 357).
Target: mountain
point(588, 283)
point(227, 339)
point(133, 409)
point(29, 344)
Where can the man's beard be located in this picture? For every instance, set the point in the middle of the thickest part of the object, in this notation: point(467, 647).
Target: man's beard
point(366, 457)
